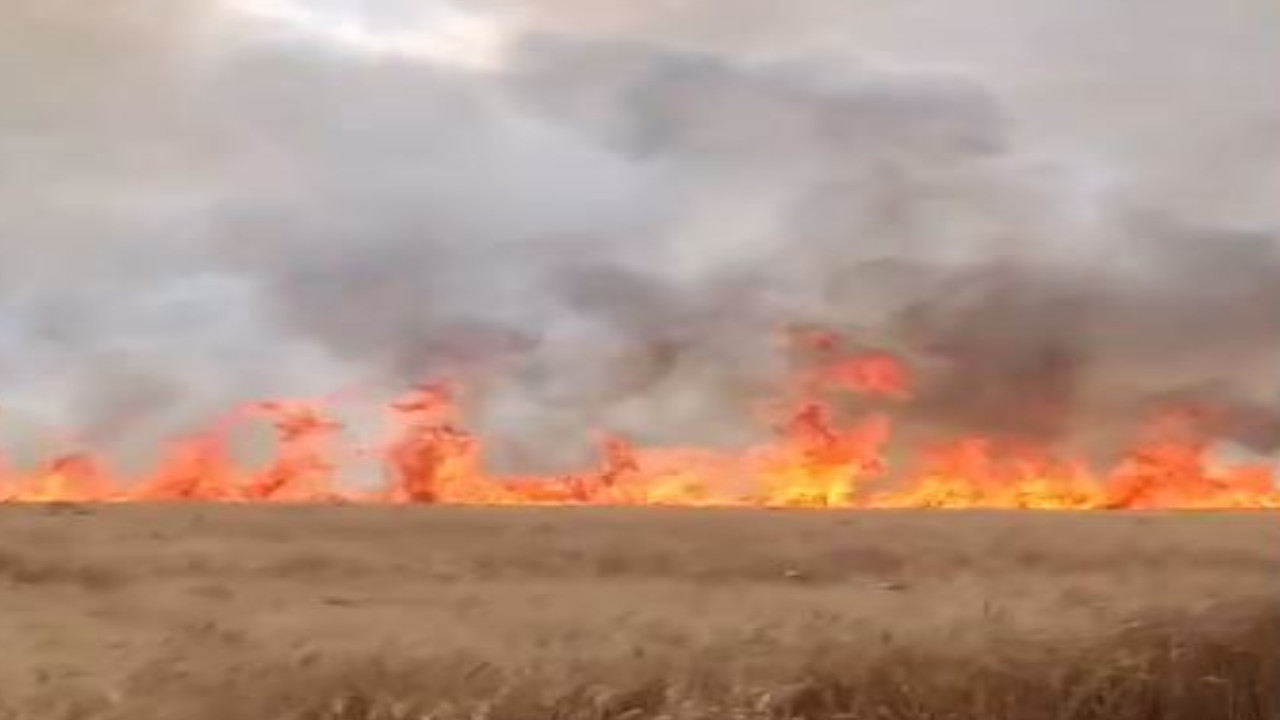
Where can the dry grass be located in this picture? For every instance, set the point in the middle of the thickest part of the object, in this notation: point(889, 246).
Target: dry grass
point(208, 613)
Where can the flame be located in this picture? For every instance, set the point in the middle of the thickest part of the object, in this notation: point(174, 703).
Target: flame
point(815, 459)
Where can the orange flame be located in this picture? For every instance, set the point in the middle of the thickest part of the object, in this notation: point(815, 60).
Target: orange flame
point(814, 460)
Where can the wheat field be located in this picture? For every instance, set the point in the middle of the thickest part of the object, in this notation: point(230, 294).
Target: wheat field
point(360, 613)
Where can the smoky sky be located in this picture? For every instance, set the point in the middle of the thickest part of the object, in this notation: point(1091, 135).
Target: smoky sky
point(1061, 215)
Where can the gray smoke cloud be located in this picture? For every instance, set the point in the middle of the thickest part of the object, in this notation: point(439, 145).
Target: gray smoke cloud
point(1060, 215)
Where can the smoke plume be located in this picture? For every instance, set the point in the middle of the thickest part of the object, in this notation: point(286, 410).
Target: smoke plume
point(1060, 213)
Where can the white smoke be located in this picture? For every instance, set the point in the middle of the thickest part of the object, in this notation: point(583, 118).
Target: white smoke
point(599, 212)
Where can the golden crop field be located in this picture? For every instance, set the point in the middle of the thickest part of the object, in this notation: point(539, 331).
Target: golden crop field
point(360, 613)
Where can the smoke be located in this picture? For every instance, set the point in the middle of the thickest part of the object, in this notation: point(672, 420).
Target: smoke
point(607, 226)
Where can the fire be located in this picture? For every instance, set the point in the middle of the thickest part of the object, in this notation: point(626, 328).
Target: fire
point(816, 459)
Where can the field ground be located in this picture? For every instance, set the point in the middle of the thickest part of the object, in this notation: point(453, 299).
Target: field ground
point(356, 613)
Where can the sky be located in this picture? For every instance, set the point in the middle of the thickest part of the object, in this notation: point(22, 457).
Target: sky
point(432, 30)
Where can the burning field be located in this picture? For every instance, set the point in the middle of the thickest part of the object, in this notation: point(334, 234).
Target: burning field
point(361, 613)
point(817, 459)
point(623, 359)
point(622, 255)
point(638, 258)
